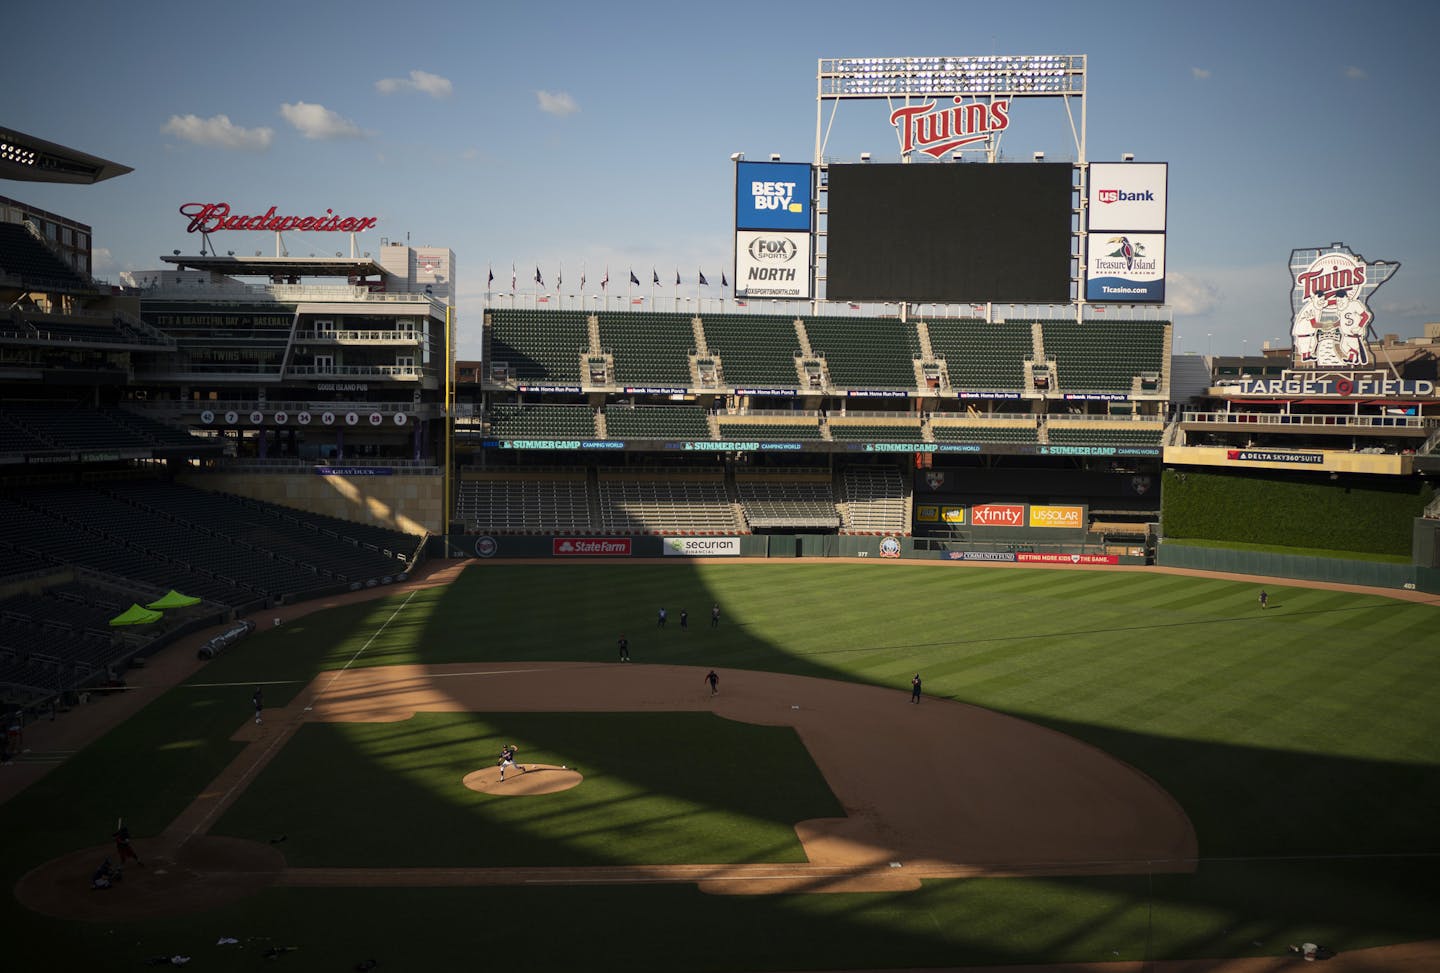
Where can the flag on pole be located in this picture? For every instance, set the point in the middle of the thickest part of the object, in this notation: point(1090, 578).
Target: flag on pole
point(723, 281)
point(582, 278)
point(1099, 308)
point(512, 278)
point(655, 274)
point(854, 306)
point(605, 281)
point(637, 300)
point(677, 278)
point(633, 279)
point(492, 278)
point(559, 278)
point(538, 279)
point(703, 281)
point(543, 298)
point(739, 303)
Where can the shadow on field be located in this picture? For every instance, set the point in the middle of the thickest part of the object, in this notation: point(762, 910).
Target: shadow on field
point(1269, 822)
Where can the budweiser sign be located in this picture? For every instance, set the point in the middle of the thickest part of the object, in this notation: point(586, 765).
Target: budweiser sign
point(935, 130)
point(210, 217)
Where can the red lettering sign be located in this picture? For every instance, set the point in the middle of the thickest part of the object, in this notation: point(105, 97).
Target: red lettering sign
point(936, 131)
point(590, 546)
point(211, 217)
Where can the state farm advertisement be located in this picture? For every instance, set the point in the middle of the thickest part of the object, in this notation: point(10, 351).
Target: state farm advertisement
point(1072, 518)
point(702, 546)
point(1068, 558)
point(997, 515)
point(590, 546)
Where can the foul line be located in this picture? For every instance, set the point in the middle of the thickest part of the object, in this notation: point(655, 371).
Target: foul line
point(341, 671)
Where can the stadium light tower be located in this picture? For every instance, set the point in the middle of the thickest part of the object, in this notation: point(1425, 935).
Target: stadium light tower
point(737, 156)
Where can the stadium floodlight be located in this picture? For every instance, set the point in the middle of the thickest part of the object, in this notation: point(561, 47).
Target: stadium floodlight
point(175, 252)
point(864, 156)
point(1039, 156)
point(1127, 157)
point(737, 156)
point(774, 156)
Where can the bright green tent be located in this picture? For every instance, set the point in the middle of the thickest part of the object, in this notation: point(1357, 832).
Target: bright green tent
point(135, 615)
point(173, 599)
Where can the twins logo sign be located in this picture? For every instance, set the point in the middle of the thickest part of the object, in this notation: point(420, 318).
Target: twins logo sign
point(1328, 303)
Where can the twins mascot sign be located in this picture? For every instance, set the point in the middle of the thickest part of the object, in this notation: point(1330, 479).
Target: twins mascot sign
point(1330, 313)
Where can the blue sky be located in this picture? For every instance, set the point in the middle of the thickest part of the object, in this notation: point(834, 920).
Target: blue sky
point(581, 134)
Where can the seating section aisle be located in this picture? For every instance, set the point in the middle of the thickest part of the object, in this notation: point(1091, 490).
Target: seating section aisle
point(1137, 435)
point(49, 541)
point(538, 345)
point(84, 428)
point(787, 432)
point(981, 356)
point(798, 499)
point(666, 502)
point(678, 422)
point(536, 502)
point(875, 432)
point(874, 500)
point(756, 350)
point(648, 349)
point(29, 259)
point(540, 421)
point(865, 353)
point(346, 551)
point(984, 434)
point(1103, 356)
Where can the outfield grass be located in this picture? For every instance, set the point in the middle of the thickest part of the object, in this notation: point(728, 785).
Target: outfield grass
point(1303, 742)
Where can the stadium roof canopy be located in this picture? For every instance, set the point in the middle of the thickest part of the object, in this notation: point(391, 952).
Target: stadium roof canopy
point(24, 157)
point(279, 266)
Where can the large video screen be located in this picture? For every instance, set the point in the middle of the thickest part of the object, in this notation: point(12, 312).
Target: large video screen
point(950, 233)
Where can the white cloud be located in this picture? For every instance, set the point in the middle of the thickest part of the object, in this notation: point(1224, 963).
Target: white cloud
point(557, 103)
point(1189, 295)
point(218, 131)
point(1355, 74)
point(420, 81)
point(101, 259)
point(319, 122)
point(1200, 74)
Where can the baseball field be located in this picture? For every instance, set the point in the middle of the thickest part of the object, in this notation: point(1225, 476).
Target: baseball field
point(1114, 769)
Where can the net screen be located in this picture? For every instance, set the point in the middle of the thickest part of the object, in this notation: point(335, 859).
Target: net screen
point(950, 233)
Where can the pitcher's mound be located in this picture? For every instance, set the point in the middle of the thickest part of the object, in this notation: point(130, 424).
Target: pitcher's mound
point(536, 779)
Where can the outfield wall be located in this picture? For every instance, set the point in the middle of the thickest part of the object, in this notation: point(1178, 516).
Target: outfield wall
point(1373, 574)
point(779, 546)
